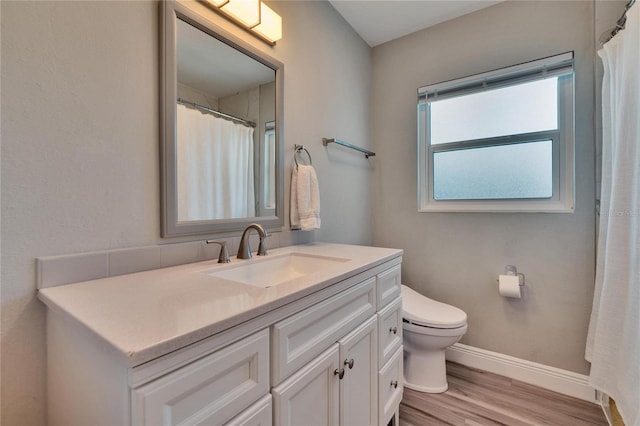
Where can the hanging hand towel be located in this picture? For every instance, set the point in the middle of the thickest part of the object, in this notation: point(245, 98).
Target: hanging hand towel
point(294, 217)
point(305, 199)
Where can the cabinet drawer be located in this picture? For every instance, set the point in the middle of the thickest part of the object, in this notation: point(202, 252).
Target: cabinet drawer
point(259, 414)
point(299, 338)
point(389, 330)
point(388, 286)
point(390, 387)
point(210, 390)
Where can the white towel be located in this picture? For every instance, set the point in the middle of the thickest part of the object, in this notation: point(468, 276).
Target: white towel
point(304, 212)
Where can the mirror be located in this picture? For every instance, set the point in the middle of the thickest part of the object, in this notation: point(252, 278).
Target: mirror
point(221, 129)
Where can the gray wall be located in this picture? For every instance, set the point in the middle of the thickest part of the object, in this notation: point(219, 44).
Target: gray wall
point(456, 257)
point(80, 146)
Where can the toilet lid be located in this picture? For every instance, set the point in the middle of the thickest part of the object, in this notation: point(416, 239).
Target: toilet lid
point(421, 310)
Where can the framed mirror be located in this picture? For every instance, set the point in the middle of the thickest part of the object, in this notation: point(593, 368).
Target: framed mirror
point(221, 121)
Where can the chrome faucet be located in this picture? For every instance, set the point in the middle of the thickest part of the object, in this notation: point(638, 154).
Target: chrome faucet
point(244, 249)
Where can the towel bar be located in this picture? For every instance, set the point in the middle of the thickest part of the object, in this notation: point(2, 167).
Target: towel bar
point(366, 152)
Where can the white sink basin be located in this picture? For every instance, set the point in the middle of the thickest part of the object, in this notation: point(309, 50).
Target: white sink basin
point(270, 271)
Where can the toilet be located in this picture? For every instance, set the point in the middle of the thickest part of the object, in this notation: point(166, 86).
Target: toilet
point(429, 328)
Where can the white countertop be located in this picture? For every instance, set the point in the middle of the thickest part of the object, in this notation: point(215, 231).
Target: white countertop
point(147, 314)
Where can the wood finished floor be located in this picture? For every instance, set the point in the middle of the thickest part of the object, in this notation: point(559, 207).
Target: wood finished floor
point(479, 398)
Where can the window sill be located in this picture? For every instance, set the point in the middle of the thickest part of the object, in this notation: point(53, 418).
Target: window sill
point(497, 207)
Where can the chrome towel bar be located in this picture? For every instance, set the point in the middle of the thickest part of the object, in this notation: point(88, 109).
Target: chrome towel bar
point(366, 152)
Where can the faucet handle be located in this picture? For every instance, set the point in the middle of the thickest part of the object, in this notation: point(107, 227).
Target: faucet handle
point(262, 247)
point(223, 257)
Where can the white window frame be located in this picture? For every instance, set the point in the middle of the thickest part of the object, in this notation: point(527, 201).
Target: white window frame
point(562, 200)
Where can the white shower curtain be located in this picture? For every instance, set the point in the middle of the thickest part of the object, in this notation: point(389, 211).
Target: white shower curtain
point(214, 167)
point(613, 342)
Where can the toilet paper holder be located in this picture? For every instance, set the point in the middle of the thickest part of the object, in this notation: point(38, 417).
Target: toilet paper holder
point(512, 270)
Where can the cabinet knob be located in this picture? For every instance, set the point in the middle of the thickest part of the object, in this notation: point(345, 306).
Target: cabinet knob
point(339, 372)
point(349, 362)
point(394, 384)
point(393, 330)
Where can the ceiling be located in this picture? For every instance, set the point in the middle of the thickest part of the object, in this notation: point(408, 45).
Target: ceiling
point(379, 21)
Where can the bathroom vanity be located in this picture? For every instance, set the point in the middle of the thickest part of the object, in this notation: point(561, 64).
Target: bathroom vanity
point(305, 335)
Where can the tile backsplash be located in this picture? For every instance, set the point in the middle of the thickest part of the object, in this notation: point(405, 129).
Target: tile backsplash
point(65, 269)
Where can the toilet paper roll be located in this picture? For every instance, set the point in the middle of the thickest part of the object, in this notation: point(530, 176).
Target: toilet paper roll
point(509, 286)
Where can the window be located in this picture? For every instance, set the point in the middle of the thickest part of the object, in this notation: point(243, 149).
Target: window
point(269, 167)
point(266, 170)
point(500, 141)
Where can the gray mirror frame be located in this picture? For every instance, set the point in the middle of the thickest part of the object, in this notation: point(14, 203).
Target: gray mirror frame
point(170, 11)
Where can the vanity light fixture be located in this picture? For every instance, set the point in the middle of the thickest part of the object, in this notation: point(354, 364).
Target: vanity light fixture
point(245, 11)
point(270, 26)
point(252, 15)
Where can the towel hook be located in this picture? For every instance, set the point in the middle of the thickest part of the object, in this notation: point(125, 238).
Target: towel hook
point(299, 148)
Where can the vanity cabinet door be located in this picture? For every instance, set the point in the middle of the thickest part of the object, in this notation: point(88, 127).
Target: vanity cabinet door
point(311, 396)
point(209, 391)
point(359, 385)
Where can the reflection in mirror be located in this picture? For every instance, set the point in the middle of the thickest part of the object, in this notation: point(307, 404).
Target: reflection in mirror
point(221, 98)
point(268, 174)
point(221, 144)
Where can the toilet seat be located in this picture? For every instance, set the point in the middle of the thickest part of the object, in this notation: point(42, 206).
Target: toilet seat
point(422, 311)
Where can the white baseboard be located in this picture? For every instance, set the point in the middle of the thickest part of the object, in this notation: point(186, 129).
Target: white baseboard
point(603, 400)
point(544, 376)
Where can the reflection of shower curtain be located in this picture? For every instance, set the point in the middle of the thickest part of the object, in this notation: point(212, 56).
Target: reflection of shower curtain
point(215, 167)
point(613, 343)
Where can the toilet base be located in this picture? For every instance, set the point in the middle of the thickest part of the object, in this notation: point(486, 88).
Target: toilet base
point(426, 372)
point(425, 389)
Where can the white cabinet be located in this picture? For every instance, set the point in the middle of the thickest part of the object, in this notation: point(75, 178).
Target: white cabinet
point(388, 286)
point(389, 330)
point(390, 387)
point(339, 387)
point(311, 396)
point(366, 323)
point(209, 391)
point(259, 414)
point(299, 338)
point(359, 385)
point(349, 318)
point(332, 357)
